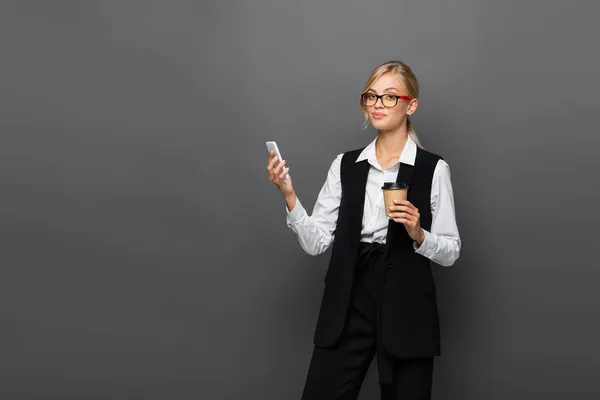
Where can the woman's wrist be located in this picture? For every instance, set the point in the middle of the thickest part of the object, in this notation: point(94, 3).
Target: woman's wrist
point(421, 238)
point(290, 200)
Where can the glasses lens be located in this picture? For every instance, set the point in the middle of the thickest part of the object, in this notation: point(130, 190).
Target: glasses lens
point(389, 100)
point(369, 99)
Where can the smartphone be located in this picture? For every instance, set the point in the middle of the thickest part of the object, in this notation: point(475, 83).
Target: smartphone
point(271, 145)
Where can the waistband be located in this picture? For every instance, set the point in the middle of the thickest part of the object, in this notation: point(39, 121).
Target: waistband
point(371, 246)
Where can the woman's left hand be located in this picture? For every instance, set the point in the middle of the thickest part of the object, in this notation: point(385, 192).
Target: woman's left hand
point(405, 213)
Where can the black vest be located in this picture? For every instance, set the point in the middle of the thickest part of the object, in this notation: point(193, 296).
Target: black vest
point(409, 315)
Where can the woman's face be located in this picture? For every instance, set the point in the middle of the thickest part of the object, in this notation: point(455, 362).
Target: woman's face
point(390, 118)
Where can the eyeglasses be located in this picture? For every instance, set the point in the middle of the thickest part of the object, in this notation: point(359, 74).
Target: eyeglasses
point(388, 100)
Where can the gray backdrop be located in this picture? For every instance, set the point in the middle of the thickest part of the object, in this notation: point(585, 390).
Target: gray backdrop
point(144, 253)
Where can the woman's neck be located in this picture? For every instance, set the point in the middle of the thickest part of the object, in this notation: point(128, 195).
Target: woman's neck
point(390, 144)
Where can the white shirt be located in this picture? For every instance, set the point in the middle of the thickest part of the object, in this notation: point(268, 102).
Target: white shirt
point(316, 232)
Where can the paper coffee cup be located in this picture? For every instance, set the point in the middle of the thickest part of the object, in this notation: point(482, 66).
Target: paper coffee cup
point(393, 191)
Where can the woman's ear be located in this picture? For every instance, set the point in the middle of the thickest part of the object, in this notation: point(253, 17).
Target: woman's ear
point(412, 106)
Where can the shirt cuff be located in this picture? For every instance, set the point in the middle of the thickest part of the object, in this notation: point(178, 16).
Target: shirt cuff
point(427, 248)
point(297, 213)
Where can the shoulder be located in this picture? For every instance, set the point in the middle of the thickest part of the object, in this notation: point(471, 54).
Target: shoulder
point(438, 162)
point(442, 170)
point(343, 159)
point(337, 161)
point(352, 154)
point(433, 164)
point(426, 161)
point(428, 155)
point(335, 166)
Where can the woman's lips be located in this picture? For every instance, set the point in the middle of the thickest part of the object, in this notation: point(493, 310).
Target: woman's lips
point(378, 115)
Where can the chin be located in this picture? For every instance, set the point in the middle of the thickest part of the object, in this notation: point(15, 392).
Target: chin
point(378, 124)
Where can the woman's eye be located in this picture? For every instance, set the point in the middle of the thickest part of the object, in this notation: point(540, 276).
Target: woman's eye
point(390, 97)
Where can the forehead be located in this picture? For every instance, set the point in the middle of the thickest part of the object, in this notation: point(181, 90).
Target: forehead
point(386, 81)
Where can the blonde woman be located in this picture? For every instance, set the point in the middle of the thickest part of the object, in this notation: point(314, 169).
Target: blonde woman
point(380, 296)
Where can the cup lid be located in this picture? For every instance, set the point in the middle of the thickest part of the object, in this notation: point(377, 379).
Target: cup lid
point(395, 185)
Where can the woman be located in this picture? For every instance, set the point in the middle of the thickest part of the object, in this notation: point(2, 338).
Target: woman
point(379, 295)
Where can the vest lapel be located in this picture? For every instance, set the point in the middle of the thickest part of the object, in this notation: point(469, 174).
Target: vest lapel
point(357, 185)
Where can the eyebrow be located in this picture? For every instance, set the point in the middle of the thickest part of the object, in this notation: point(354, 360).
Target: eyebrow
point(385, 90)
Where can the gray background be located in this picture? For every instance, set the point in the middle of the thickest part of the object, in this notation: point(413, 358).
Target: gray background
point(144, 253)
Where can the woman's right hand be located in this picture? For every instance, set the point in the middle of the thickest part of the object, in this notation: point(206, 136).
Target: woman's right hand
point(277, 175)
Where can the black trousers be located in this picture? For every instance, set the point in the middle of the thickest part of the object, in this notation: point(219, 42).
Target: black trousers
point(337, 373)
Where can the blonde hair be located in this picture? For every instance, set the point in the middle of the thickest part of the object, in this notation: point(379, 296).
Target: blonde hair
point(408, 79)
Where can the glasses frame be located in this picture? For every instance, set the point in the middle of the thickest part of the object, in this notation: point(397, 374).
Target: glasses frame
point(380, 97)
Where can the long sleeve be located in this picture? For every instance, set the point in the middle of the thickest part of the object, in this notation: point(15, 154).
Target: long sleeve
point(316, 232)
point(441, 245)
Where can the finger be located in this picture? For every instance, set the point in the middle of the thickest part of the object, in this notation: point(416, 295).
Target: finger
point(406, 222)
point(406, 218)
point(413, 222)
point(399, 215)
point(285, 171)
point(272, 175)
point(277, 170)
point(399, 202)
point(412, 218)
point(272, 162)
point(411, 211)
point(401, 208)
point(405, 203)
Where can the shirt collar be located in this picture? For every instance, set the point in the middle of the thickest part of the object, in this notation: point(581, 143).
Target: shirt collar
point(409, 153)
